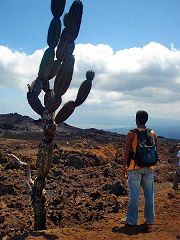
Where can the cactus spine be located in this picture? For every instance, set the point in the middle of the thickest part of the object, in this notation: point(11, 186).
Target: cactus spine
point(60, 45)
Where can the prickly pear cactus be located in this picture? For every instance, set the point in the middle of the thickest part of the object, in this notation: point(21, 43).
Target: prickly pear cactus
point(57, 63)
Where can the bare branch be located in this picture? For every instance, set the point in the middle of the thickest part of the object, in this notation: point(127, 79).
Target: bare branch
point(28, 169)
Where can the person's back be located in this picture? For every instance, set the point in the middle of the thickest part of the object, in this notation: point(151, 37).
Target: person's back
point(139, 175)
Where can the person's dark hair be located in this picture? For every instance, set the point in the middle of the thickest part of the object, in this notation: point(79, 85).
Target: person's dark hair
point(141, 117)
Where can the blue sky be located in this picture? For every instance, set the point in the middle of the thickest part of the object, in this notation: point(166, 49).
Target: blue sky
point(133, 46)
point(118, 23)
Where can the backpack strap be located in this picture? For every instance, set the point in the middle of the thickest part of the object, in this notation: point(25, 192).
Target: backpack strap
point(135, 130)
point(149, 130)
point(138, 133)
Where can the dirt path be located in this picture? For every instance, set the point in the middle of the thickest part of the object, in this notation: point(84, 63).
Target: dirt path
point(166, 225)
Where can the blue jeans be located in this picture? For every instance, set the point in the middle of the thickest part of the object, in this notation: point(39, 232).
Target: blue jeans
point(136, 178)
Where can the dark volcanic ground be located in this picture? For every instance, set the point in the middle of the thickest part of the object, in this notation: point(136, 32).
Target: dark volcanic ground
point(85, 186)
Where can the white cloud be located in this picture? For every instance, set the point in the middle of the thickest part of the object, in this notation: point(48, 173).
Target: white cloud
point(126, 80)
point(17, 69)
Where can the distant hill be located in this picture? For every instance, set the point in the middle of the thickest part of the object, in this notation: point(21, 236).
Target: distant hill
point(14, 125)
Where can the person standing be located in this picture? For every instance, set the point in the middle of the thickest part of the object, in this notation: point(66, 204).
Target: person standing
point(177, 172)
point(140, 175)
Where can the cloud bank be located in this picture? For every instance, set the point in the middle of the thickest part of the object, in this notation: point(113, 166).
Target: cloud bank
point(126, 80)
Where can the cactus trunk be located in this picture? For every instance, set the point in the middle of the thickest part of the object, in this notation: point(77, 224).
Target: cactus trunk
point(38, 202)
point(43, 164)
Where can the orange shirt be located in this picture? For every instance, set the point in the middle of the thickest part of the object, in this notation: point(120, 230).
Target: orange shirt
point(132, 143)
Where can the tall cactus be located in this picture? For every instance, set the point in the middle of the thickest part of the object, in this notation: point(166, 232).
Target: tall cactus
point(60, 45)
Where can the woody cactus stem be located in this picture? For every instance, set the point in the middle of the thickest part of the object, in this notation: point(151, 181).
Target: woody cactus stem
point(38, 194)
point(62, 70)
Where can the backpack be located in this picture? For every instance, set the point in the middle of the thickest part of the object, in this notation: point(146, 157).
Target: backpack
point(146, 150)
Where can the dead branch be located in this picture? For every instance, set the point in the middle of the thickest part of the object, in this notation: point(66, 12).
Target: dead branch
point(28, 181)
